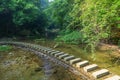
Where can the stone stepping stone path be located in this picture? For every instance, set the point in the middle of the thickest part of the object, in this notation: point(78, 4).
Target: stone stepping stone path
point(91, 70)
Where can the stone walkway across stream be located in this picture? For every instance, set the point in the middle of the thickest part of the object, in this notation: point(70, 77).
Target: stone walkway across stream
point(75, 65)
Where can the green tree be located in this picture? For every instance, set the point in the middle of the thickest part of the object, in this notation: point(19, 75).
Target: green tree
point(97, 18)
point(58, 12)
point(94, 19)
point(16, 15)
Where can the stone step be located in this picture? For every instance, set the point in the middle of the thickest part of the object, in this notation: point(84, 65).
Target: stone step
point(93, 69)
point(115, 77)
point(53, 53)
point(82, 64)
point(90, 67)
point(69, 58)
point(76, 60)
point(107, 76)
point(56, 55)
point(47, 50)
point(42, 50)
point(100, 73)
point(63, 56)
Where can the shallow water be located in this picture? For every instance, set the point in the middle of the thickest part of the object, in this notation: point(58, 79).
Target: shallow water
point(18, 64)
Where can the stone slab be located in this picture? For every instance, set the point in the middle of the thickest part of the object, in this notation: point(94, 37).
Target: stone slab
point(62, 56)
point(53, 53)
point(56, 55)
point(82, 64)
point(115, 77)
point(90, 67)
point(50, 51)
point(69, 58)
point(100, 73)
point(73, 61)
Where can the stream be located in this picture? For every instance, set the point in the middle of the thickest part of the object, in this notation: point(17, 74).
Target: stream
point(18, 64)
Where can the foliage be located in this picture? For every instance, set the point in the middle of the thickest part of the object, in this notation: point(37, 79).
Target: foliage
point(94, 19)
point(21, 10)
point(97, 19)
point(5, 48)
point(58, 13)
point(79, 21)
point(72, 37)
point(18, 15)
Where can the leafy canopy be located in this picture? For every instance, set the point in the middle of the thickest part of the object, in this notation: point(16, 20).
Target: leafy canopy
point(21, 10)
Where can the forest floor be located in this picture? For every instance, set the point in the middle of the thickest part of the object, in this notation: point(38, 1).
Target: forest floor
point(107, 56)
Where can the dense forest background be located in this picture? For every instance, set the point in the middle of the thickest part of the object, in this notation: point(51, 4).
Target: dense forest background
point(87, 22)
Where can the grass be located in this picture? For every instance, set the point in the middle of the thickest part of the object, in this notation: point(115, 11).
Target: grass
point(5, 48)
